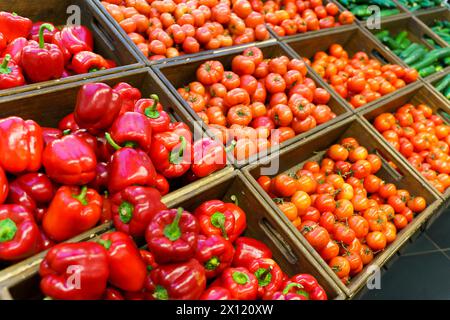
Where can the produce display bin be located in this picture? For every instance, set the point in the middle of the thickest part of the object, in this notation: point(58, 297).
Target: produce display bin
point(262, 224)
point(179, 73)
point(402, 13)
point(321, 31)
point(429, 17)
point(417, 32)
point(433, 81)
point(352, 40)
point(51, 104)
point(114, 24)
point(107, 41)
point(405, 7)
point(312, 148)
point(419, 93)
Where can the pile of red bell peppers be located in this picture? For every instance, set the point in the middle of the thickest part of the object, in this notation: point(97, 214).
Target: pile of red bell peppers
point(111, 159)
point(188, 256)
point(35, 52)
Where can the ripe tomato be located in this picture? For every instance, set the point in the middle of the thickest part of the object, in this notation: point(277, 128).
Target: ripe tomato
point(344, 209)
point(366, 254)
point(390, 232)
point(244, 148)
point(340, 266)
point(321, 96)
point(400, 221)
point(355, 261)
point(332, 9)
point(359, 225)
point(397, 203)
point(216, 116)
point(210, 72)
point(275, 83)
point(345, 192)
point(322, 113)
point(330, 251)
point(372, 183)
point(417, 204)
point(264, 182)
point(284, 186)
point(281, 134)
point(356, 84)
point(281, 115)
point(376, 240)
point(311, 214)
point(230, 80)
point(316, 235)
point(301, 200)
point(327, 220)
point(237, 96)
point(375, 162)
point(386, 190)
point(255, 54)
point(243, 65)
point(240, 114)
point(289, 209)
point(344, 234)
point(361, 169)
point(249, 84)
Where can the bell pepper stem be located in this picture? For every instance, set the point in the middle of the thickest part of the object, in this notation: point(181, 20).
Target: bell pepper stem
point(264, 276)
point(290, 286)
point(66, 132)
point(82, 196)
point(42, 28)
point(111, 141)
point(235, 200)
point(8, 229)
point(126, 212)
point(152, 112)
point(161, 293)
point(105, 243)
point(240, 277)
point(218, 221)
point(212, 264)
point(172, 231)
point(176, 156)
point(93, 70)
point(4, 69)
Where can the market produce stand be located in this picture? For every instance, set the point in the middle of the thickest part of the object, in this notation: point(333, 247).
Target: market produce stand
point(239, 181)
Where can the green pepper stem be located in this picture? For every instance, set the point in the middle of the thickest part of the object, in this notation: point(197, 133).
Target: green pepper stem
point(218, 220)
point(172, 231)
point(264, 276)
point(266, 272)
point(82, 196)
point(240, 277)
point(4, 69)
point(106, 243)
point(8, 230)
point(152, 111)
point(235, 200)
point(42, 28)
point(160, 293)
point(66, 132)
point(212, 264)
point(290, 286)
point(176, 156)
point(126, 212)
point(93, 70)
point(111, 141)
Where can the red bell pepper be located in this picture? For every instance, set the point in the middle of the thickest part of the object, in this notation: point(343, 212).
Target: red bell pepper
point(240, 218)
point(178, 281)
point(216, 293)
point(269, 274)
point(72, 212)
point(101, 179)
point(215, 219)
point(57, 40)
point(44, 242)
point(14, 26)
point(106, 215)
point(10, 74)
point(70, 160)
point(291, 291)
point(130, 167)
point(248, 250)
point(127, 270)
point(42, 61)
point(14, 49)
point(162, 184)
point(134, 207)
point(87, 61)
point(129, 95)
point(149, 259)
point(97, 107)
point(77, 38)
point(310, 288)
point(209, 156)
point(33, 191)
point(113, 294)
point(215, 253)
point(4, 187)
point(68, 123)
point(75, 271)
point(48, 34)
point(51, 134)
point(241, 283)
point(132, 129)
point(171, 150)
point(84, 135)
point(153, 110)
point(21, 145)
point(3, 42)
point(19, 234)
point(104, 149)
point(172, 236)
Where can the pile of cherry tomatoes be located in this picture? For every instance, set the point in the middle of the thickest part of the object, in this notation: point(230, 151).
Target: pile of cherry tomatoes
point(168, 28)
point(342, 208)
point(360, 79)
point(289, 17)
point(422, 137)
point(259, 103)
